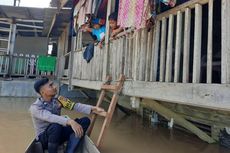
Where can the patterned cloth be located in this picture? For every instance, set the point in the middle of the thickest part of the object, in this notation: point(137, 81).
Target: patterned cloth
point(133, 13)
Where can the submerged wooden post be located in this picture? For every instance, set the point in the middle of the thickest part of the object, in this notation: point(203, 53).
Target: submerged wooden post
point(168, 114)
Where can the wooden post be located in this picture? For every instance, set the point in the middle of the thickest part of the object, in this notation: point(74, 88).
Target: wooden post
point(209, 51)
point(168, 73)
point(149, 55)
point(11, 47)
point(155, 52)
point(178, 47)
point(168, 114)
point(187, 26)
point(225, 54)
point(106, 54)
point(162, 51)
point(136, 55)
point(197, 44)
point(143, 47)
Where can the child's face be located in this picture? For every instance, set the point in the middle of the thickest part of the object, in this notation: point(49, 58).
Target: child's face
point(113, 24)
point(96, 26)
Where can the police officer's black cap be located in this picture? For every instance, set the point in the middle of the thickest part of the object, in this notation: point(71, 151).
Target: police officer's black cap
point(39, 83)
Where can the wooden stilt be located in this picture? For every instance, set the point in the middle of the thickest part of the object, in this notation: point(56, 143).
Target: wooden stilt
point(116, 89)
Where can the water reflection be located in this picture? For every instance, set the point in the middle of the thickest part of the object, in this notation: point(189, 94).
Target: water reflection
point(125, 134)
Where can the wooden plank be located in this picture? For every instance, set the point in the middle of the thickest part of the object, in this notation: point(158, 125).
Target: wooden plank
point(213, 96)
point(168, 73)
point(118, 54)
point(155, 52)
point(148, 55)
point(187, 28)
point(143, 49)
point(178, 47)
point(168, 114)
point(130, 55)
point(113, 58)
point(209, 47)
point(121, 57)
point(136, 56)
point(225, 54)
point(133, 57)
point(197, 44)
point(126, 56)
point(162, 51)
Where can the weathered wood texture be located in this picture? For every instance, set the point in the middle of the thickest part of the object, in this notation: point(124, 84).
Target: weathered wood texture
point(197, 44)
point(168, 114)
point(225, 55)
point(214, 96)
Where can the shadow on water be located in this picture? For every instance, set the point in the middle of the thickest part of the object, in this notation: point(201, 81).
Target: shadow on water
point(126, 134)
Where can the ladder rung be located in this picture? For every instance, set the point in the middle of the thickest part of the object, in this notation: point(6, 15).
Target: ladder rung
point(102, 114)
point(109, 87)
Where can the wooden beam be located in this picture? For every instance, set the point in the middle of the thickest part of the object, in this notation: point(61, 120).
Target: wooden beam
point(168, 114)
point(214, 96)
point(225, 52)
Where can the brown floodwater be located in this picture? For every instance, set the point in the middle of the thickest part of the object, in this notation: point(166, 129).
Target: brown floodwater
point(126, 134)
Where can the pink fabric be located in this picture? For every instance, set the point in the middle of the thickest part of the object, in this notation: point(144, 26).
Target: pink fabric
point(132, 13)
point(139, 13)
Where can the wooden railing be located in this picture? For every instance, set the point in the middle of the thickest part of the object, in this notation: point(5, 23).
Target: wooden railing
point(172, 51)
point(21, 66)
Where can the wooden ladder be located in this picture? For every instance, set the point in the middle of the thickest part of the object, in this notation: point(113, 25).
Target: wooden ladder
point(115, 89)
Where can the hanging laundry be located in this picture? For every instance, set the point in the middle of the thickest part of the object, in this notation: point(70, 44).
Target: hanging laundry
point(133, 13)
point(170, 3)
point(81, 10)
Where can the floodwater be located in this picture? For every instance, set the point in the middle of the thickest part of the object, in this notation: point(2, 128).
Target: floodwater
point(126, 134)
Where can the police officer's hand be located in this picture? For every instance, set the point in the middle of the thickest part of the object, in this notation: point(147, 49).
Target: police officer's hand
point(77, 128)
